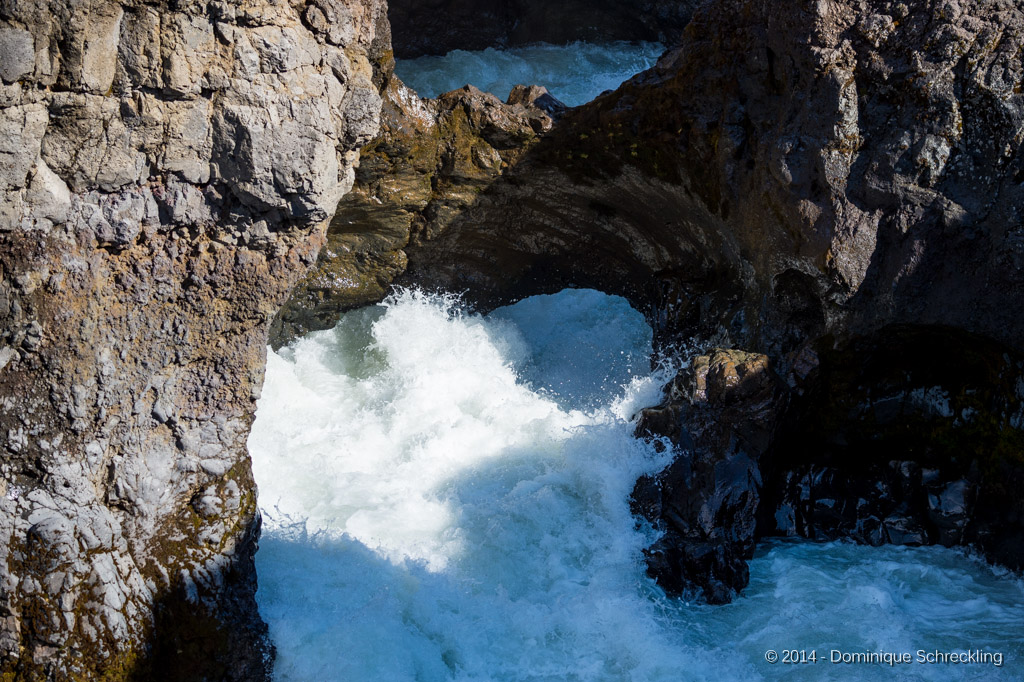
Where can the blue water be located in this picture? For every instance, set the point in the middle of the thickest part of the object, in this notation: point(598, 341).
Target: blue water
point(446, 498)
point(575, 73)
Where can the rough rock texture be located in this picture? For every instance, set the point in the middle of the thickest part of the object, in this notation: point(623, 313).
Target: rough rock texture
point(914, 436)
point(166, 174)
point(796, 179)
point(790, 171)
point(439, 26)
point(431, 161)
point(720, 413)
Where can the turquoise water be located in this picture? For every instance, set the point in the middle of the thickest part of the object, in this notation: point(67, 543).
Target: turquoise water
point(574, 73)
point(446, 498)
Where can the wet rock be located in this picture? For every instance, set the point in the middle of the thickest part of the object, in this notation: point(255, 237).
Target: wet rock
point(719, 416)
point(166, 174)
point(906, 437)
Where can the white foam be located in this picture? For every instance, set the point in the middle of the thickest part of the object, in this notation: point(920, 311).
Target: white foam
point(446, 498)
point(575, 73)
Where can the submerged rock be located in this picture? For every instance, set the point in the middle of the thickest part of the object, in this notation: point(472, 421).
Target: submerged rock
point(168, 171)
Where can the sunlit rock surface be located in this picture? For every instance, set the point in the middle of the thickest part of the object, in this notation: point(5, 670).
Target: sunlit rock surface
point(432, 160)
point(166, 174)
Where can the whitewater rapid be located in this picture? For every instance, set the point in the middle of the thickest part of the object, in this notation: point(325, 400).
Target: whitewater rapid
point(445, 497)
point(575, 73)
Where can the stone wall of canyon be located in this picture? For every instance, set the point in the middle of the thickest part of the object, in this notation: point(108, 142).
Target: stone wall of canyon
point(167, 171)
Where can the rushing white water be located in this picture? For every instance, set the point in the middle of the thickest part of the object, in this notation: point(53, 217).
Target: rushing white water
point(575, 73)
point(446, 498)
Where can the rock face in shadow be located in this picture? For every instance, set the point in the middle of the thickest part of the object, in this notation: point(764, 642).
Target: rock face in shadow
point(912, 436)
point(788, 172)
point(440, 26)
point(720, 414)
point(168, 170)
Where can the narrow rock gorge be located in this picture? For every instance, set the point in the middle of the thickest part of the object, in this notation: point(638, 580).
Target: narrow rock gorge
point(819, 204)
point(835, 188)
point(803, 182)
point(167, 172)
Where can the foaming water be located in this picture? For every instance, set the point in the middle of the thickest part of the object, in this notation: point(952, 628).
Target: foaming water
point(446, 498)
point(575, 73)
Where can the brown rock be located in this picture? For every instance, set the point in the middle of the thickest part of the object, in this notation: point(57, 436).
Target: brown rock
point(432, 160)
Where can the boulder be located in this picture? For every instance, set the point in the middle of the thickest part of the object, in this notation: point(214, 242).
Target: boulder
point(719, 416)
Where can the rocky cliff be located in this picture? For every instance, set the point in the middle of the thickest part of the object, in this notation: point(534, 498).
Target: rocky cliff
point(786, 173)
point(167, 171)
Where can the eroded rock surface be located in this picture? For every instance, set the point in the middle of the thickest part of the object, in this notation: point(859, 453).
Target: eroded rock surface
point(788, 172)
point(432, 160)
point(167, 171)
point(792, 180)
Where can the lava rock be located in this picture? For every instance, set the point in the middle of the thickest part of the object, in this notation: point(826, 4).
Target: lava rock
point(719, 416)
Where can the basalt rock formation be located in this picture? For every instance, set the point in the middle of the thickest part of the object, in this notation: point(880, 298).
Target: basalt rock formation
point(440, 26)
point(720, 414)
point(786, 173)
point(167, 171)
point(808, 182)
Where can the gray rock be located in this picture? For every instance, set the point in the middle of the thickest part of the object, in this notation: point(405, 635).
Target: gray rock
point(48, 195)
point(17, 54)
point(166, 171)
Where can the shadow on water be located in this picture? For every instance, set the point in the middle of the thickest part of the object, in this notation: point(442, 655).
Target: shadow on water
point(550, 586)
